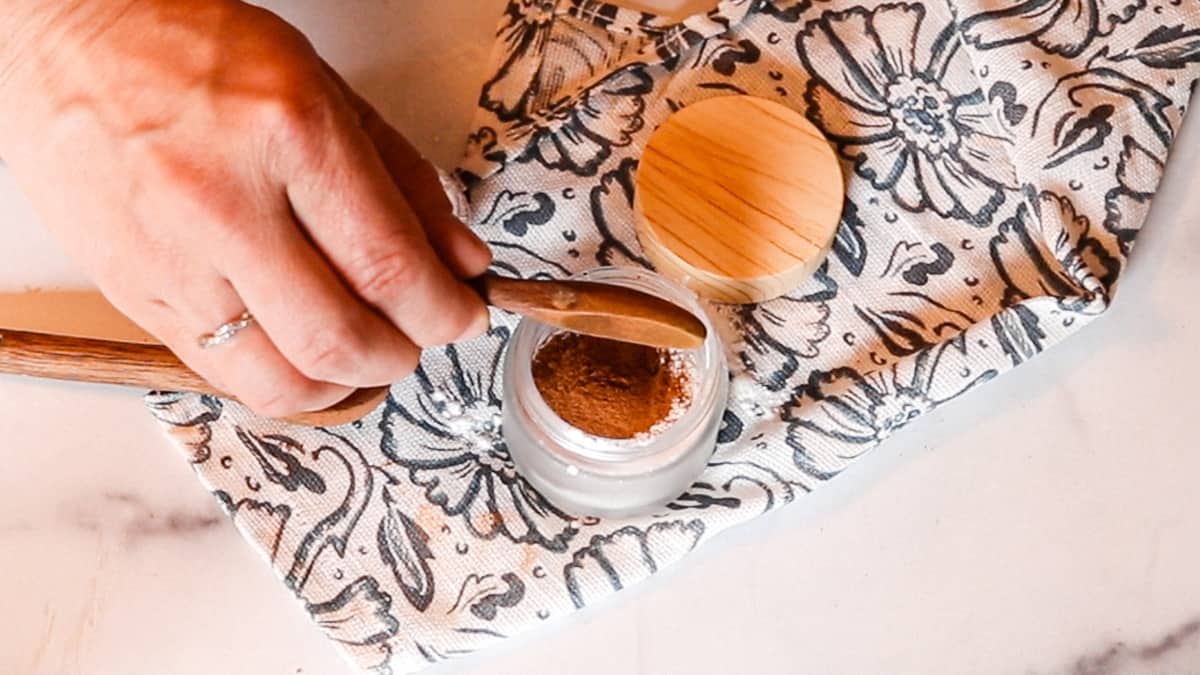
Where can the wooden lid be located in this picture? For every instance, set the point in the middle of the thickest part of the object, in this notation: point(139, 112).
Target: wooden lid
point(738, 198)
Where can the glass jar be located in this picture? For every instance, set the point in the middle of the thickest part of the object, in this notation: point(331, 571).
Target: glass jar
point(588, 475)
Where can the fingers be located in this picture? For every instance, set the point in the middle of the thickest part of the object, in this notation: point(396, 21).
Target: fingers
point(249, 366)
point(347, 202)
point(464, 252)
point(326, 332)
point(458, 246)
point(312, 342)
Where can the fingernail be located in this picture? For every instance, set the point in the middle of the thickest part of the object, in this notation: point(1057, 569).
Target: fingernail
point(483, 254)
point(481, 324)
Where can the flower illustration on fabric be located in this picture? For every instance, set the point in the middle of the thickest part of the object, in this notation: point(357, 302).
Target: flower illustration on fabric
point(901, 104)
point(443, 426)
point(404, 548)
point(1051, 251)
point(546, 58)
point(840, 414)
point(324, 471)
point(776, 335)
point(1171, 47)
point(734, 485)
point(1063, 27)
point(515, 212)
point(724, 55)
point(911, 321)
point(265, 521)
point(870, 410)
point(484, 596)
point(524, 32)
point(1079, 117)
point(611, 203)
point(1085, 257)
point(1019, 333)
point(1138, 174)
point(189, 419)
point(559, 91)
point(612, 562)
point(579, 134)
point(916, 262)
point(850, 244)
point(360, 614)
point(674, 41)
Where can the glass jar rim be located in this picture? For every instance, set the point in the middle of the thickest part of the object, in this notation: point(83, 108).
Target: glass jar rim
point(583, 447)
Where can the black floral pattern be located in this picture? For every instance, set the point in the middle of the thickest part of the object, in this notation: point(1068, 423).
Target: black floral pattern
point(777, 336)
point(1084, 104)
point(895, 107)
point(1063, 27)
point(358, 615)
point(842, 413)
point(1138, 173)
point(517, 212)
point(463, 465)
point(1041, 125)
point(579, 135)
point(612, 561)
point(520, 87)
point(1172, 47)
point(1063, 260)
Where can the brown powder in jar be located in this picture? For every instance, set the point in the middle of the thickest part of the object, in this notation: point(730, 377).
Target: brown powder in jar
point(608, 388)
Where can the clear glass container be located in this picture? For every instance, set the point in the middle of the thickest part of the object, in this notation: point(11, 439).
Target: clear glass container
point(588, 475)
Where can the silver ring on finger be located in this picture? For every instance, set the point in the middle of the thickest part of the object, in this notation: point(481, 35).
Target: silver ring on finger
point(226, 331)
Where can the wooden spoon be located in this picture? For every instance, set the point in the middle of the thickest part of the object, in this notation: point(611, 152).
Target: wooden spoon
point(60, 357)
point(595, 308)
point(599, 309)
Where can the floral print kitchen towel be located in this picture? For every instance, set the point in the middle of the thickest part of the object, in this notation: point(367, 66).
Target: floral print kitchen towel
point(1000, 156)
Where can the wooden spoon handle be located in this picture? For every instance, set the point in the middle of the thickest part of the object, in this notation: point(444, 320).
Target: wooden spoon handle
point(596, 308)
point(77, 359)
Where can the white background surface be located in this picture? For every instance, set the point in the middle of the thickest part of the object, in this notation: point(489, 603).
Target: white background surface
point(1047, 523)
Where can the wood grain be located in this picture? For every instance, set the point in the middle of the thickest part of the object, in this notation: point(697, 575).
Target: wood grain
point(145, 366)
point(602, 310)
point(738, 198)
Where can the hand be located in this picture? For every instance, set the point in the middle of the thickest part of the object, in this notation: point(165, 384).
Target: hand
point(198, 158)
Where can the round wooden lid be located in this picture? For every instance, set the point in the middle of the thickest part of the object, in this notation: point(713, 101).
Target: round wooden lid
point(738, 198)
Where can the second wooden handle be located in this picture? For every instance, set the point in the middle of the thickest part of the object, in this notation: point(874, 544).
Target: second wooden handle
point(76, 359)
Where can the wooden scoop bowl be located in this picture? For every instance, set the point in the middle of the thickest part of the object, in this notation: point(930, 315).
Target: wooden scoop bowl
point(599, 309)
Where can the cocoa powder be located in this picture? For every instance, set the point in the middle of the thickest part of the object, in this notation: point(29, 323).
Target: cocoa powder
point(608, 388)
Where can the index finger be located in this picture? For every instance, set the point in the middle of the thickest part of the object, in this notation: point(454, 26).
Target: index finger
point(344, 196)
point(457, 245)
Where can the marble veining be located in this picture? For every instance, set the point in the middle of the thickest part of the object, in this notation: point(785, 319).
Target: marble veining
point(135, 519)
point(1176, 652)
point(127, 515)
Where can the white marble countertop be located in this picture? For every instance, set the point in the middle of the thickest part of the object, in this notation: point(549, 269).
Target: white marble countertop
point(1045, 524)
